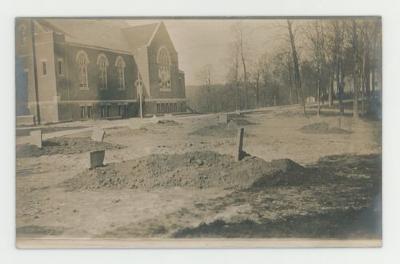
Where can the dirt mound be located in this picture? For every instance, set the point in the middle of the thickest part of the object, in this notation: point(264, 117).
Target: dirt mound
point(156, 126)
point(167, 122)
point(288, 113)
point(323, 128)
point(219, 130)
point(128, 132)
point(242, 122)
point(63, 145)
point(193, 169)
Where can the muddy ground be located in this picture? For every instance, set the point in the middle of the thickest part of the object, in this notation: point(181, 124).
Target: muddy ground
point(314, 177)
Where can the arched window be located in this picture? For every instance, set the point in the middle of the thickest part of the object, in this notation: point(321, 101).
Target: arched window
point(102, 63)
point(164, 71)
point(120, 65)
point(82, 60)
point(22, 35)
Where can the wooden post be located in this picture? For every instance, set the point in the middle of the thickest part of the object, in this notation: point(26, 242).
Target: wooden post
point(239, 149)
point(141, 105)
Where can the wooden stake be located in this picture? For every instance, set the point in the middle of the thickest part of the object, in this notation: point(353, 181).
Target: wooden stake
point(239, 149)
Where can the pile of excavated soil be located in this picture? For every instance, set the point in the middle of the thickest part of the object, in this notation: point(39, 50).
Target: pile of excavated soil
point(63, 145)
point(167, 122)
point(322, 128)
point(160, 124)
point(126, 132)
point(193, 169)
point(156, 127)
point(218, 130)
point(242, 122)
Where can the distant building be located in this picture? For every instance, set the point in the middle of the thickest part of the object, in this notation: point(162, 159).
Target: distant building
point(92, 68)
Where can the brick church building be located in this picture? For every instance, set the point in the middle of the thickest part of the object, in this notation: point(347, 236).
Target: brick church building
point(78, 69)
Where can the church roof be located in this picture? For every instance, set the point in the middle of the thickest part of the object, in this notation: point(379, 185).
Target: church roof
point(113, 34)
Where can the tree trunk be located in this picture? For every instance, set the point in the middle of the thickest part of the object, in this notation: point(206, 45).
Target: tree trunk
point(296, 67)
point(355, 96)
point(244, 72)
point(330, 92)
point(258, 90)
point(373, 82)
point(290, 74)
point(355, 70)
point(318, 98)
point(340, 85)
point(237, 101)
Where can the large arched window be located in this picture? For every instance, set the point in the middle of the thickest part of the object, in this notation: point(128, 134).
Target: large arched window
point(102, 63)
point(120, 65)
point(82, 60)
point(164, 71)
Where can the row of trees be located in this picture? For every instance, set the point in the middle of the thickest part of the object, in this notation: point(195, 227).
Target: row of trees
point(322, 59)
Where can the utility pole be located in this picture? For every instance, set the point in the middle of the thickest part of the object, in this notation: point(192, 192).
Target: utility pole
point(139, 87)
point(32, 25)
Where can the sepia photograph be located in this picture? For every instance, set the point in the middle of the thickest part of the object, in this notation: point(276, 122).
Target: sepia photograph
point(198, 132)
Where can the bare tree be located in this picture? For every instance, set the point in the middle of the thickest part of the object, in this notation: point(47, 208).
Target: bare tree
point(369, 31)
point(257, 77)
point(240, 47)
point(317, 38)
point(354, 41)
point(204, 77)
point(296, 67)
point(336, 57)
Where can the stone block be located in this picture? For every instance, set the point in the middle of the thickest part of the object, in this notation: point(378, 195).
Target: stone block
point(98, 135)
point(96, 158)
point(223, 118)
point(36, 138)
point(232, 125)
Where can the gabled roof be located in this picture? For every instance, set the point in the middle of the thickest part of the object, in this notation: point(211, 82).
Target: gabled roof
point(139, 36)
point(113, 34)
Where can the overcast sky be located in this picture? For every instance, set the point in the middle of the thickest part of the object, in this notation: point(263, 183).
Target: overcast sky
point(201, 42)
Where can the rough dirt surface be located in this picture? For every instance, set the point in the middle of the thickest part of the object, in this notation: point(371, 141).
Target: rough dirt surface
point(24, 131)
point(194, 169)
point(330, 206)
point(64, 146)
point(323, 128)
point(168, 182)
point(220, 130)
